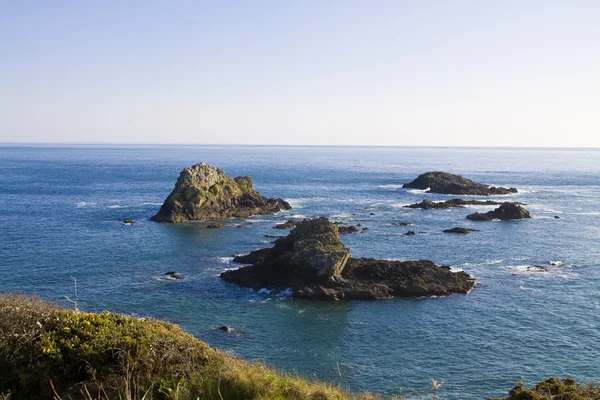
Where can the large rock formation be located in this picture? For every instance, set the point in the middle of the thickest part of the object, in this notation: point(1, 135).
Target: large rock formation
point(206, 193)
point(452, 203)
point(443, 182)
point(315, 264)
point(505, 212)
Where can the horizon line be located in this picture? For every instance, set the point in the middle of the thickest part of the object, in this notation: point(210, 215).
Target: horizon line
point(81, 144)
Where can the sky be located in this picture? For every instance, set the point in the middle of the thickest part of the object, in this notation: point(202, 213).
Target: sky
point(324, 72)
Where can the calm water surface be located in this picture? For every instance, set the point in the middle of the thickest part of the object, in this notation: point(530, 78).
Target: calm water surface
point(61, 209)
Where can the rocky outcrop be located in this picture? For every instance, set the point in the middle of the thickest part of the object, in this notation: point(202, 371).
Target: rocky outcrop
point(460, 230)
point(445, 183)
point(452, 203)
point(206, 193)
point(348, 229)
point(506, 211)
point(315, 264)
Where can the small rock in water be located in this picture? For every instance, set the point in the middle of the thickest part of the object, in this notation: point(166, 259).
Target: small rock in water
point(460, 230)
point(372, 214)
point(225, 329)
point(347, 229)
point(364, 229)
point(402, 223)
point(173, 275)
point(215, 226)
point(128, 221)
point(556, 217)
point(410, 233)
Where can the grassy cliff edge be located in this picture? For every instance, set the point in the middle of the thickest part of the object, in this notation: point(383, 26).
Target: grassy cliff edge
point(50, 352)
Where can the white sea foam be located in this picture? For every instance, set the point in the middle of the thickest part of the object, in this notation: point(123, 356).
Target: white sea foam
point(264, 291)
point(116, 206)
point(225, 260)
point(296, 203)
point(456, 269)
point(82, 204)
point(151, 204)
point(340, 216)
point(541, 272)
point(391, 186)
point(399, 205)
point(417, 191)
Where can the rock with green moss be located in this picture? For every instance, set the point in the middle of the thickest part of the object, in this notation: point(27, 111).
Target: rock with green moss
point(315, 264)
point(206, 193)
point(554, 389)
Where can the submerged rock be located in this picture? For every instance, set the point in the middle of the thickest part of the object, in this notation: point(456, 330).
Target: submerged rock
point(173, 275)
point(402, 224)
point(315, 264)
point(128, 221)
point(215, 226)
point(445, 183)
point(204, 193)
point(225, 328)
point(507, 211)
point(452, 203)
point(460, 230)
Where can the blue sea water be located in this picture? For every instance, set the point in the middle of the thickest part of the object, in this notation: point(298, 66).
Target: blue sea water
point(61, 210)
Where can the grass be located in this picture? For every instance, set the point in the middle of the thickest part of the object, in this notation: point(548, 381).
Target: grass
point(47, 352)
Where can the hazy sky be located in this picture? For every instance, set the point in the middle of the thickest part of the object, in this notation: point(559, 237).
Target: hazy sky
point(475, 73)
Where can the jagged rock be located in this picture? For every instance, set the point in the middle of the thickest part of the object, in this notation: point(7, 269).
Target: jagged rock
point(204, 193)
point(128, 221)
point(173, 275)
point(443, 182)
point(506, 211)
point(460, 230)
point(290, 223)
point(452, 203)
point(347, 229)
point(314, 263)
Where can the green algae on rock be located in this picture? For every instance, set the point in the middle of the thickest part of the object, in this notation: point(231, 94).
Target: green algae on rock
point(204, 193)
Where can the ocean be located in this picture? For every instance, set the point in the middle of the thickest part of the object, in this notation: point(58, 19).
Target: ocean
point(61, 209)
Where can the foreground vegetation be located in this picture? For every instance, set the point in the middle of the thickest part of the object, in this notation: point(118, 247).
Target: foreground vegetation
point(47, 352)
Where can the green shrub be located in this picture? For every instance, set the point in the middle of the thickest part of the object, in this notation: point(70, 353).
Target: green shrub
point(555, 389)
point(48, 352)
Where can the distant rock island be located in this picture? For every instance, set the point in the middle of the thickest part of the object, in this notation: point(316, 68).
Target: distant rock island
point(506, 211)
point(452, 203)
point(315, 264)
point(206, 193)
point(445, 183)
